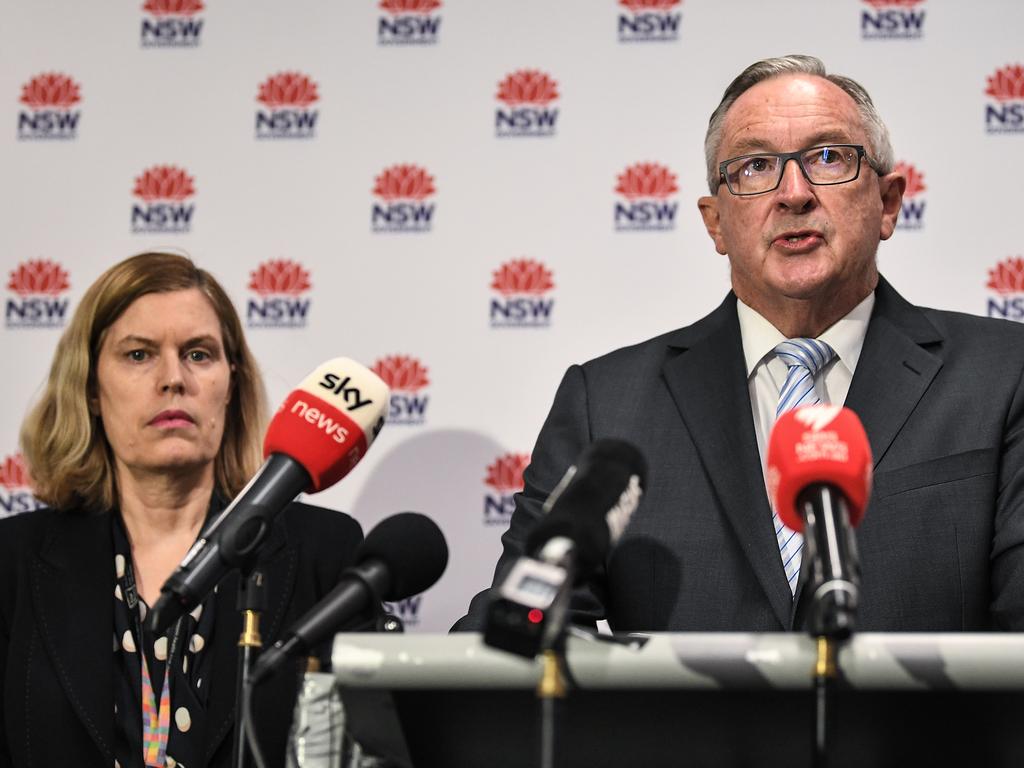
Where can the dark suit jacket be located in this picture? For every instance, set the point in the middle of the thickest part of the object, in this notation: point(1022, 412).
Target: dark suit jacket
point(942, 541)
point(56, 625)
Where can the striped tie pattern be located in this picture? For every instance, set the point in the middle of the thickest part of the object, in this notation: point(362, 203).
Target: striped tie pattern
point(805, 359)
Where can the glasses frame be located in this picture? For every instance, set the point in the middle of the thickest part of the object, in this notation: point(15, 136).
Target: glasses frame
point(785, 157)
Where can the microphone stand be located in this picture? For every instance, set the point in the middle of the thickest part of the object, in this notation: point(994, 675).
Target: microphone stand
point(552, 690)
point(252, 600)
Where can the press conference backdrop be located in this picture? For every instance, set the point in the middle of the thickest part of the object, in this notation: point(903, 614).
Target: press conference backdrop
point(469, 195)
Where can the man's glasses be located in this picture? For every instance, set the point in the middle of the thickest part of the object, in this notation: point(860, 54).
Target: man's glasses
point(754, 174)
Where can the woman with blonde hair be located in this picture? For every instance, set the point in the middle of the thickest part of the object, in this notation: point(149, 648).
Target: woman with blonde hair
point(150, 422)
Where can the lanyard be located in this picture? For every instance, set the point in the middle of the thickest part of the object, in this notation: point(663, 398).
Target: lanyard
point(156, 720)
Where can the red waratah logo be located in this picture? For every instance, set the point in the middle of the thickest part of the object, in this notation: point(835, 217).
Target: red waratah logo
point(404, 182)
point(893, 3)
point(164, 182)
point(522, 276)
point(639, 6)
point(50, 89)
point(173, 7)
point(915, 179)
point(645, 180)
point(38, 277)
point(402, 373)
point(279, 276)
point(288, 89)
point(1007, 276)
point(505, 475)
point(14, 473)
point(527, 86)
point(1007, 84)
point(398, 7)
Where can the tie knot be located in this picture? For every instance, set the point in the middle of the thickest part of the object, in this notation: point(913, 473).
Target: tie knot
point(811, 354)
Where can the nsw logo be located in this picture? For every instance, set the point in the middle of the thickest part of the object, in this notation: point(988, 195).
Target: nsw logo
point(1006, 281)
point(892, 20)
point(408, 22)
point(1005, 111)
point(287, 97)
point(912, 210)
point(171, 24)
point(16, 487)
point(504, 479)
point(403, 191)
point(407, 378)
point(162, 206)
point(280, 285)
point(50, 99)
point(522, 286)
point(647, 189)
point(39, 286)
point(649, 21)
point(527, 95)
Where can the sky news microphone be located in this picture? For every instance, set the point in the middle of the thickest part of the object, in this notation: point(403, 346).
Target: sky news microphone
point(317, 436)
point(401, 557)
point(819, 478)
point(584, 517)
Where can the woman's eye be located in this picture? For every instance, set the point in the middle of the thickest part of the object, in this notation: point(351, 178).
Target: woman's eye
point(198, 355)
point(137, 355)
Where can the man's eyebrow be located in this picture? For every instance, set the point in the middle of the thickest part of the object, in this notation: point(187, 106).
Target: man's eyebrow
point(753, 145)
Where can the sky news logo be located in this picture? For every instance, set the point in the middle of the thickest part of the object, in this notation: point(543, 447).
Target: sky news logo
point(162, 206)
point(646, 188)
point(892, 20)
point(522, 286)
point(408, 22)
point(527, 95)
point(39, 302)
point(171, 24)
point(912, 209)
point(649, 21)
point(16, 487)
point(504, 479)
point(1006, 281)
point(280, 286)
point(403, 206)
point(50, 98)
point(1005, 111)
point(407, 611)
point(287, 97)
point(406, 377)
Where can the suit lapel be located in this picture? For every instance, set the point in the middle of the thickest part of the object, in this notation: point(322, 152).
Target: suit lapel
point(894, 370)
point(72, 597)
point(708, 382)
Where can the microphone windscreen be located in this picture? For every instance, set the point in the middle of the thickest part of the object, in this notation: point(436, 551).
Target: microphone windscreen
point(818, 445)
point(413, 549)
point(329, 421)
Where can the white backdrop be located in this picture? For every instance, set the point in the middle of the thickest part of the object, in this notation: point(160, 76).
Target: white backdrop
point(342, 168)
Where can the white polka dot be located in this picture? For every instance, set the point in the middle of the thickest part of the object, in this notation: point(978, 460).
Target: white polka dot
point(117, 592)
point(184, 665)
point(117, 764)
point(197, 612)
point(160, 649)
point(171, 762)
point(127, 641)
point(196, 643)
point(142, 610)
point(182, 719)
point(119, 565)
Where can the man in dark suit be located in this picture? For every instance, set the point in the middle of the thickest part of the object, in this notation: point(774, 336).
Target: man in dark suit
point(803, 189)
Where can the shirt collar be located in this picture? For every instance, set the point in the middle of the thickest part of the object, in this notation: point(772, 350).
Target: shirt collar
point(845, 336)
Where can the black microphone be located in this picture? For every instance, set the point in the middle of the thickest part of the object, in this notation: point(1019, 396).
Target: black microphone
point(585, 516)
point(402, 556)
point(317, 436)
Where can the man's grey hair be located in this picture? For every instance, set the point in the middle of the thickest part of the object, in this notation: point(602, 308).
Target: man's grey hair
point(880, 154)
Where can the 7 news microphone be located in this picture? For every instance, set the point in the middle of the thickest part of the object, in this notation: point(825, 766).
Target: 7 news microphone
point(583, 519)
point(320, 432)
point(402, 556)
point(819, 477)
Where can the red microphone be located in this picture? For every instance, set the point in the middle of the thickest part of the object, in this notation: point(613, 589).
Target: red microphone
point(819, 479)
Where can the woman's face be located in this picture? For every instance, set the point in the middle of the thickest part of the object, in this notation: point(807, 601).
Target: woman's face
point(163, 383)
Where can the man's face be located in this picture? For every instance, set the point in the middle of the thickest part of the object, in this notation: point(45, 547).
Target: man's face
point(800, 241)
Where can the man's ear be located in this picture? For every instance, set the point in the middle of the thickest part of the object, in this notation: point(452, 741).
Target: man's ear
point(708, 206)
point(891, 187)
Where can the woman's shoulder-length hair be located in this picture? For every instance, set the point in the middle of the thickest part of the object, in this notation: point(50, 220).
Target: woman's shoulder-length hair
point(63, 441)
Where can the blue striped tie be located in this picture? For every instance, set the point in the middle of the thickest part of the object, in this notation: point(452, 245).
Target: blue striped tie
point(805, 358)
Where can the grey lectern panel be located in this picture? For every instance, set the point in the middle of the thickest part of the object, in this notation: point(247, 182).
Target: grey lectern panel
point(689, 700)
